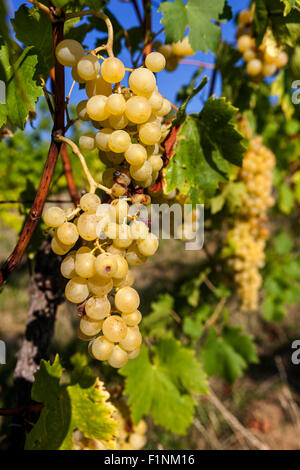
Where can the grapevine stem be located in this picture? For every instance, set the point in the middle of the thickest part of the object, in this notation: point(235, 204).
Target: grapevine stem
point(99, 14)
point(93, 184)
point(41, 6)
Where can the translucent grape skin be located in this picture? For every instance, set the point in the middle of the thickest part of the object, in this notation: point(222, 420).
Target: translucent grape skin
point(89, 202)
point(81, 110)
point(119, 141)
point(77, 290)
point(87, 141)
point(67, 267)
point(118, 357)
point(85, 263)
point(88, 67)
point(98, 86)
point(132, 340)
point(101, 348)
point(114, 328)
point(112, 70)
point(97, 308)
point(142, 81)
point(155, 62)
point(138, 109)
point(54, 216)
point(127, 300)
point(106, 265)
point(100, 286)
point(89, 327)
point(96, 108)
point(67, 233)
point(132, 319)
point(116, 104)
point(136, 154)
point(68, 52)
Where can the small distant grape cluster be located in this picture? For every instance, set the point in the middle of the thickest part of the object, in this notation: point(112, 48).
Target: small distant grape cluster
point(129, 437)
point(174, 52)
point(128, 120)
point(262, 61)
point(249, 234)
point(106, 239)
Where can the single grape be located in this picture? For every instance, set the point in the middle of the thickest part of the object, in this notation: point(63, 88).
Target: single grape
point(165, 50)
point(77, 290)
point(254, 67)
point(282, 59)
point(248, 55)
point(119, 141)
point(88, 67)
point(97, 308)
point(123, 237)
point(142, 82)
point(89, 327)
point(172, 63)
point(132, 319)
point(136, 154)
point(54, 217)
point(116, 251)
point(81, 111)
point(118, 357)
point(269, 69)
point(115, 158)
point(87, 226)
point(245, 17)
point(100, 286)
point(122, 268)
point(132, 340)
point(116, 104)
point(148, 246)
point(85, 263)
point(96, 108)
point(138, 109)
point(106, 265)
point(114, 328)
point(87, 141)
point(127, 300)
point(98, 87)
point(67, 267)
point(141, 173)
point(101, 138)
point(112, 70)
point(155, 61)
point(137, 441)
point(101, 348)
point(67, 233)
point(90, 202)
point(150, 133)
point(68, 52)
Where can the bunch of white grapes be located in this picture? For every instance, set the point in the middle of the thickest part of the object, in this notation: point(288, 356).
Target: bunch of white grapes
point(129, 437)
point(106, 241)
point(262, 61)
point(128, 120)
point(249, 234)
point(174, 53)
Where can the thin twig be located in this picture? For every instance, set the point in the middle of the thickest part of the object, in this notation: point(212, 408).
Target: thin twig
point(41, 6)
point(93, 184)
point(19, 411)
point(235, 424)
point(138, 13)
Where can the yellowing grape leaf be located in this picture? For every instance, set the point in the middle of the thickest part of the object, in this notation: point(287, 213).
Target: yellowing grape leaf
point(162, 386)
point(81, 404)
point(204, 35)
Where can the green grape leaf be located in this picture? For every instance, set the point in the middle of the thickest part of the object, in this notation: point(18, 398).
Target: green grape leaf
point(81, 404)
point(229, 354)
point(33, 28)
point(161, 387)
point(198, 15)
point(288, 6)
point(159, 319)
point(22, 85)
point(193, 324)
point(218, 131)
point(189, 170)
point(190, 289)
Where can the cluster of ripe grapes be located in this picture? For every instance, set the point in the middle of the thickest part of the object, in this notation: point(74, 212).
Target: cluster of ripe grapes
point(128, 119)
point(174, 53)
point(249, 234)
point(106, 240)
point(129, 437)
point(262, 61)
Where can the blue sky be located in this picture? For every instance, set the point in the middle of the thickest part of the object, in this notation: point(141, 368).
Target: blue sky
point(168, 83)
